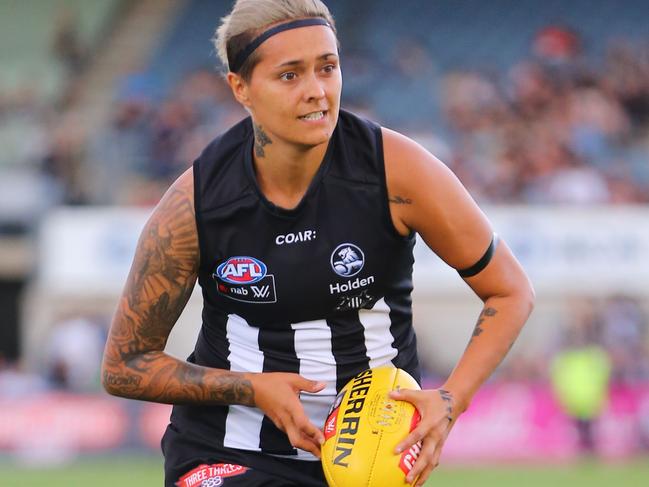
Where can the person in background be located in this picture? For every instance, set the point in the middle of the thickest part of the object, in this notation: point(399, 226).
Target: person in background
point(580, 375)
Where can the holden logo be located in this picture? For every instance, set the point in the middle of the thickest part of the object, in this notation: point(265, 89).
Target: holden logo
point(347, 260)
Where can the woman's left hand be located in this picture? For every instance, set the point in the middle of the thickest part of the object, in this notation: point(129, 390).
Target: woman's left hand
point(437, 408)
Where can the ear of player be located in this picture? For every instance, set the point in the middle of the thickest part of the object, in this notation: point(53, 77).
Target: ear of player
point(363, 427)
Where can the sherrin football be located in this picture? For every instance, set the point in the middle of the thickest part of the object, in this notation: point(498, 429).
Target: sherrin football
point(363, 428)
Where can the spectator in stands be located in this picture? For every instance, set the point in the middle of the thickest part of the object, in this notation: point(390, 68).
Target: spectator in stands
point(66, 43)
point(63, 161)
point(573, 182)
point(557, 43)
point(73, 354)
point(15, 382)
point(580, 375)
point(121, 152)
point(624, 334)
point(626, 75)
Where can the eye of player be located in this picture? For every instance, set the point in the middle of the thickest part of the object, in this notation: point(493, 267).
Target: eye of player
point(288, 76)
point(329, 68)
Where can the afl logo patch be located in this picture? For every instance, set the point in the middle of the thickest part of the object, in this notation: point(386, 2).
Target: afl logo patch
point(241, 270)
point(347, 260)
point(245, 279)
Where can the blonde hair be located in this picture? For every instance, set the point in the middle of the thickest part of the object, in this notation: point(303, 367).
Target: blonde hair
point(248, 18)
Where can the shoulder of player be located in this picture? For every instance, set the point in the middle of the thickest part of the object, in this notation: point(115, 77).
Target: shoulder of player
point(411, 169)
point(426, 197)
point(180, 193)
point(173, 221)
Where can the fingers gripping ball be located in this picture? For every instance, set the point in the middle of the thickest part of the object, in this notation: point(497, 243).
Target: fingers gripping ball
point(363, 428)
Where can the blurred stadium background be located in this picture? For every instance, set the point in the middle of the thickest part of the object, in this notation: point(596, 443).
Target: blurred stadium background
point(541, 108)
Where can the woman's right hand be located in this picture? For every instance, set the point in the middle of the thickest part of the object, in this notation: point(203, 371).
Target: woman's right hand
point(277, 394)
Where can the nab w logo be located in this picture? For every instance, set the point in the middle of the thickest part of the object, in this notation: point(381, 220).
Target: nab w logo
point(260, 291)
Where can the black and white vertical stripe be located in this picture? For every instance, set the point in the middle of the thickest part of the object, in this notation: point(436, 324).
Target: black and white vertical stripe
point(330, 351)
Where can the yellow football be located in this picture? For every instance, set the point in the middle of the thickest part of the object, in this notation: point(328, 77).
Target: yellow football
point(363, 428)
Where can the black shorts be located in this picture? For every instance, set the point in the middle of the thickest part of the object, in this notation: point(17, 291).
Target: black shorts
point(189, 462)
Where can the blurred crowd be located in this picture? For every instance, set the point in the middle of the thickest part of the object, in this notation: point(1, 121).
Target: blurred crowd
point(554, 129)
point(558, 127)
point(70, 360)
point(50, 158)
point(150, 142)
point(618, 326)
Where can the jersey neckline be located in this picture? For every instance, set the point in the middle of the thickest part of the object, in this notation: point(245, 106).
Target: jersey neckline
point(315, 182)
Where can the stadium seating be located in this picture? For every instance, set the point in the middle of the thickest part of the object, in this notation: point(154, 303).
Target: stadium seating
point(186, 46)
point(27, 29)
point(460, 34)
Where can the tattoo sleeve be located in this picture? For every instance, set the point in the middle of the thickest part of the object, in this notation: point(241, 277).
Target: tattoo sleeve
point(158, 287)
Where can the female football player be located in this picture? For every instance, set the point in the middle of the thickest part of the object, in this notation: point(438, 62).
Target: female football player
point(299, 224)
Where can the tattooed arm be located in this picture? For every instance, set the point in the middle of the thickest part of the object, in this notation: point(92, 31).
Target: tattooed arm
point(427, 198)
point(160, 282)
point(159, 285)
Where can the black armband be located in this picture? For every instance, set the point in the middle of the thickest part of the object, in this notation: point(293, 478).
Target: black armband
point(483, 262)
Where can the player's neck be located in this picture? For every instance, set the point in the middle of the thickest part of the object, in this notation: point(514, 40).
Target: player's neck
point(285, 171)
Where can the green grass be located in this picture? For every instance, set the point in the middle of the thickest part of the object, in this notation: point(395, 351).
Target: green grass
point(586, 474)
point(143, 472)
point(101, 472)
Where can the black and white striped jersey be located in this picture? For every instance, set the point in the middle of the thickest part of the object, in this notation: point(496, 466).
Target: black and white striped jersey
point(322, 290)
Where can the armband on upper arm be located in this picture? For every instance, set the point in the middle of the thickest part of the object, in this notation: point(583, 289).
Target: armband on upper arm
point(483, 262)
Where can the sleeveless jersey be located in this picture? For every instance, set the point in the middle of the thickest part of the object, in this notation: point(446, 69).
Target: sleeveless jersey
point(322, 290)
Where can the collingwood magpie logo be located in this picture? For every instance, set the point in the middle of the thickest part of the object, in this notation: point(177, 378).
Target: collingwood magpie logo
point(246, 279)
point(347, 260)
